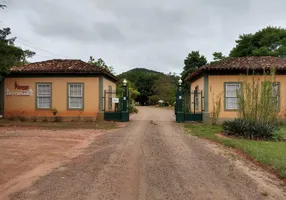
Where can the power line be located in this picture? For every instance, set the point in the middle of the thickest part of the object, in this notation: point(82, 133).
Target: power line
point(37, 54)
point(40, 49)
point(21, 41)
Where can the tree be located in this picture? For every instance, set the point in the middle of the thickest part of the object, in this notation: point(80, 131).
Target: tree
point(218, 56)
point(165, 89)
point(10, 55)
point(2, 6)
point(270, 41)
point(133, 92)
point(193, 61)
point(3, 36)
point(100, 63)
point(154, 99)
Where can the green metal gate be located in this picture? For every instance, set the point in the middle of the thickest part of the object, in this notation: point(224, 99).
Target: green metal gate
point(115, 106)
point(112, 110)
point(193, 106)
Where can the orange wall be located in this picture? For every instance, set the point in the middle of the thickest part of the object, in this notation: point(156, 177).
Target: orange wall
point(26, 105)
point(216, 87)
point(106, 84)
point(199, 82)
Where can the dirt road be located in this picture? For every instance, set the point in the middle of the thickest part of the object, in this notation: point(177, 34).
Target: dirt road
point(154, 160)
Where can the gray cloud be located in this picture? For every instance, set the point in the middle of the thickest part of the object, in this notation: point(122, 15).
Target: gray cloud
point(153, 34)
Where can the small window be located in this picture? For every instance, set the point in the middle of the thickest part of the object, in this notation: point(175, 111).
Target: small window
point(110, 97)
point(196, 97)
point(44, 95)
point(275, 92)
point(75, 96)
point(231, 96)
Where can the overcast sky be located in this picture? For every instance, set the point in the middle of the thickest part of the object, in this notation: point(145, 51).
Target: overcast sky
point(153, 34)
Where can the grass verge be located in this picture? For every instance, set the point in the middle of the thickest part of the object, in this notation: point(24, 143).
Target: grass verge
point(267, 152)
point(98, 125)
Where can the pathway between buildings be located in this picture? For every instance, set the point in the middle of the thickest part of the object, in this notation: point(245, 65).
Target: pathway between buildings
point(152, 158)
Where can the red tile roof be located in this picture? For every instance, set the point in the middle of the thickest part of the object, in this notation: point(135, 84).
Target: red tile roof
point(59, 66)
point(241, 65)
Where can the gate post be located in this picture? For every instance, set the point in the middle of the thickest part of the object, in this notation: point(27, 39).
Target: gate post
point(179, 104)
point(124, 112)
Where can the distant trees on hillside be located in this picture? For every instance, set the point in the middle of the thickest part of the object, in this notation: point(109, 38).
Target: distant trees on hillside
point(152, 86)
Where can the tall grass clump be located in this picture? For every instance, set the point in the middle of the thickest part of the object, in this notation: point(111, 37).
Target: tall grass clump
point(258, 99)
point(216, 102)
point(258, 107)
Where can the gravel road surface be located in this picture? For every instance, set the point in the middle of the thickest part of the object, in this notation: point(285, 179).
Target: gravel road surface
point(152, 158)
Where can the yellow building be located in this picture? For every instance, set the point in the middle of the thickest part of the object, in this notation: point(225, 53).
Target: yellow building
point(225, 77)
point(64, 88)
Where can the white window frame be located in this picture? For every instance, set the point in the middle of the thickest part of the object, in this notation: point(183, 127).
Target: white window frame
point(38, 95)
point(196, 99)
point(231, 96)
point(276, 94)
point(81, 95)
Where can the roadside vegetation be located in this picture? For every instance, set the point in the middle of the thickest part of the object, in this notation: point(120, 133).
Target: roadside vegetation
point(97, 125)
point(271, 153)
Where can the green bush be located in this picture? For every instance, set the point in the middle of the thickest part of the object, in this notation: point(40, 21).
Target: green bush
point(249, 129)
point(132, 109)
point(135, 110)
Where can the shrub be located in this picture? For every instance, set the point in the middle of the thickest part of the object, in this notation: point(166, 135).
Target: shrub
point(58, 119)
point(135, 110)
point(132, 109)
point(249, 129)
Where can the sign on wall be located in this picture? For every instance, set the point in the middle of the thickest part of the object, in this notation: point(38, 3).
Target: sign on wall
point(115, 100)
point(21, 90)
